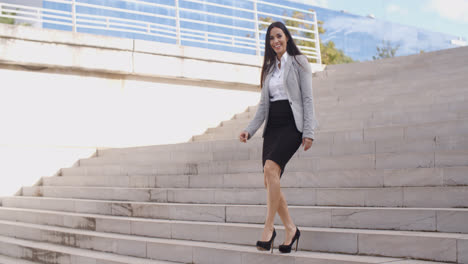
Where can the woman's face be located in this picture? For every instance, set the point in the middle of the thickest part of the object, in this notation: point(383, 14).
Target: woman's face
point(278, 41)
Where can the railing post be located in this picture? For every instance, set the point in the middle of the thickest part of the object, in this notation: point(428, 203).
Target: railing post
point(317, 40)
point(177, 21)
point(74, 15)
point(257, 32)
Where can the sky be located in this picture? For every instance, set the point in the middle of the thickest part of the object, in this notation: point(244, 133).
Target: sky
point(445, 16)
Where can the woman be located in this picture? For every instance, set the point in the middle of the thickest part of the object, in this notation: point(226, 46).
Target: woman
point(286, 104)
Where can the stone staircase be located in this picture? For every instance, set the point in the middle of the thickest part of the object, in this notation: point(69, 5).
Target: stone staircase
point(386, 181)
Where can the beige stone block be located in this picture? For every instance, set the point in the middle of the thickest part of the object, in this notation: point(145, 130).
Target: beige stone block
point(197, 231)
point(205, 196)
point(150, 228)
point(158, 195)
point(300, 196)
point(245, 214)
point(212, 213)
point(113, 225)
point(435, 197)
point(422, 247)
point(404, 160)
point(379, 218)
point(122, 209)
point(345, 136)
point(170, 252)
point(216, 255)
point(462, 250)
point(352, 148)
point(139, 181)
point(346, 162)
point(75, 222)
point(92, 207)
point(336, 242)
point(266, 257)
point(243, 180)
point(240, 196)
point(54, 204)
point(180, 181)
point(341, 197)
point(413, 177)
point(388, 133)
point(452, 220)
point(131, 248)
point(455, 175)
point(451, 158)
point(149, 210)
point(414, 145)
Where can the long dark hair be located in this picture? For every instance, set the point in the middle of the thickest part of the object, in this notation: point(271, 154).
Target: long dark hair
point(270, 55)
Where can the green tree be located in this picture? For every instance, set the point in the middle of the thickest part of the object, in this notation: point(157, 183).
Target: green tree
point(386, 50)
point(330, 54)
point(7, 20)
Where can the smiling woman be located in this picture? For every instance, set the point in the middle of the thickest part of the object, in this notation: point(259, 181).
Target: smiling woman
point(286, 106)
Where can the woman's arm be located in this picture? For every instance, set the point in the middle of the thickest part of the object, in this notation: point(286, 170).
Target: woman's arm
point(305, 76)
point(259, 116)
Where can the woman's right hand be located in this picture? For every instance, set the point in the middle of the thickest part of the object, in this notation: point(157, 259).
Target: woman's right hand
point(244, 136)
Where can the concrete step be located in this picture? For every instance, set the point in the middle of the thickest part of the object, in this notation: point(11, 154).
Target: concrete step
point(426, 197)
point(387, 86)
point(47, 253)
point(419, 245)
point(397, 132)
point(184, 251)
point(390, 160)
point(234, 150)
point(416, 177)
point(365, 161)
point(372, 117)
point(378, 120)
point(10, 260)
point(416, 132)
point(41, 210)
point(355, 102)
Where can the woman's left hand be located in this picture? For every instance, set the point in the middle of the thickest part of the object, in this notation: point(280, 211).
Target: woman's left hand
point(307, 143)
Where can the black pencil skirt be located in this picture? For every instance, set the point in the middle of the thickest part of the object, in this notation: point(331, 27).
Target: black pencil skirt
point(282, 139)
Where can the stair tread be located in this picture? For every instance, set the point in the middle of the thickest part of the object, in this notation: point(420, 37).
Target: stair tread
point(241, 205)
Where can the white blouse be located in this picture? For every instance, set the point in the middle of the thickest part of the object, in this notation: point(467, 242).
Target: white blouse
point(275, 87)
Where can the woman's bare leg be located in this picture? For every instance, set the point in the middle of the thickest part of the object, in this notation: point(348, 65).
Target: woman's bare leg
point(272, 174)
point(290, 228)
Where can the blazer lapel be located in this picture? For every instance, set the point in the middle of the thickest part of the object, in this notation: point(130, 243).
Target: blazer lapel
point(267, 83)
point(287, 67)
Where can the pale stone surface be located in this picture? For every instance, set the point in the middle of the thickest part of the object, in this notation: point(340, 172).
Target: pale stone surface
point(398, 219)
point(462, 249)
point(404, 160)
point(455, 176)
point(145, 227)
point(170, 252)
point(439, 249)
point(452, 221)
point(435, 197)
point(414, 177)
point(214, 256)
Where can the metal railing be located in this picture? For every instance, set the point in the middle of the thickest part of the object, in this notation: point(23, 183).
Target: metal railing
point(219, 26)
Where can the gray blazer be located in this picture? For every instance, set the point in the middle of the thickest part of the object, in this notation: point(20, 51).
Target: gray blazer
point(298, 82)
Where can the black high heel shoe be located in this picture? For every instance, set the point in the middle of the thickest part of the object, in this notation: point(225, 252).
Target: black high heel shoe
point(287, 248)
point(266, 245)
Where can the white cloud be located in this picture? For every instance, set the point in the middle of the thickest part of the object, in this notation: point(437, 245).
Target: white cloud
point(396, 9)
point(454, 9)
point(319, 3)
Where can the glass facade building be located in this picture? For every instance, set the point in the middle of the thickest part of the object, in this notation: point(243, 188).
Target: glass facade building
point(357, 36)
